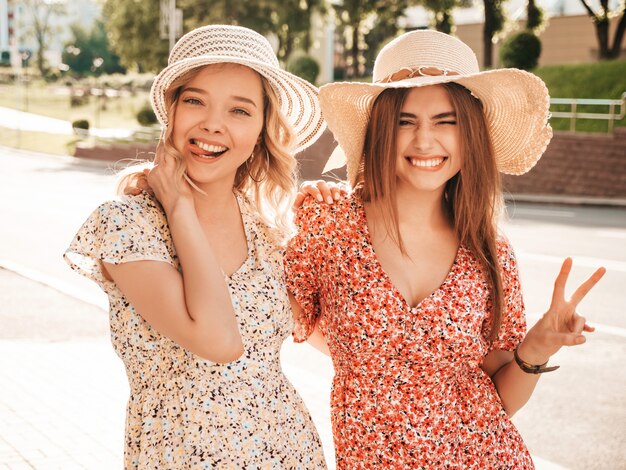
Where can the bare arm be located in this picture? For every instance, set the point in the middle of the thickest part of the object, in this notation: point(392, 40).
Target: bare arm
point(194, 308)
point(560, 326)
point(316, 339)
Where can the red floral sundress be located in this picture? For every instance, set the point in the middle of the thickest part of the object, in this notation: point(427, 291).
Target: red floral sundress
point(408, 390)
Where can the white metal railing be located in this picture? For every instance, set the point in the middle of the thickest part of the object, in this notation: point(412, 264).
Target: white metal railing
point(574, 114)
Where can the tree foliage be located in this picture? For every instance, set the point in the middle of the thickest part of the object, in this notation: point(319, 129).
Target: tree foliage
point(534, 16)
point(134, 26)
point(442, 11)
point(495, 18)
point(521, 50)
point(288, 20)
point(601, 20)
point(133, 30)
point(88, 53)
point(38, 15)
point(366, 26)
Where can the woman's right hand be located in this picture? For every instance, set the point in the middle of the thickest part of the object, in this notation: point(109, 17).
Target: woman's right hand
point(321, 190)
point(162, 179)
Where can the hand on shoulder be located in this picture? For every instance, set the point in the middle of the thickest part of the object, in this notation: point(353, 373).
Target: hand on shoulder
point(322, 191)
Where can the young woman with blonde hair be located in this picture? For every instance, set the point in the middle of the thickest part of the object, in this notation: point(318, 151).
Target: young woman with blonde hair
point(408, 280)
point(194, 273)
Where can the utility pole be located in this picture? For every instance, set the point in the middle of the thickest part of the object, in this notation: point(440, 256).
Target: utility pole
point(172, 25)
point(170, 21)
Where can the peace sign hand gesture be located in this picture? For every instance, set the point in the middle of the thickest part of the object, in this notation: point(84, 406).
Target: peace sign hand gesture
point(561, 325)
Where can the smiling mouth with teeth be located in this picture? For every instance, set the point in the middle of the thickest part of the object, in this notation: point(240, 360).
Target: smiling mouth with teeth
point(210, 151)
point(427, 162)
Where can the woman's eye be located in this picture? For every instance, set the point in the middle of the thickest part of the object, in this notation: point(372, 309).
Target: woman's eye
point(241, 111)
point(404, 122)
point(452, 123)
point(191, 100)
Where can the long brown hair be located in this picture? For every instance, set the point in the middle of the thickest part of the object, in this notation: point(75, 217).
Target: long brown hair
point(268, 178)
point(472, 198)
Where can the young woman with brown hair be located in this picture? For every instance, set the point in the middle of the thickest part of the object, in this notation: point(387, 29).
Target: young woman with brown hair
point(408, 281)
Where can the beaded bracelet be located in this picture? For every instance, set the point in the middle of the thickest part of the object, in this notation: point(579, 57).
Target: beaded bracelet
point(531, 368)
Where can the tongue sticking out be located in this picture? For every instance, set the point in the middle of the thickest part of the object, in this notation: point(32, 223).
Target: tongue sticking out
point(208, 151)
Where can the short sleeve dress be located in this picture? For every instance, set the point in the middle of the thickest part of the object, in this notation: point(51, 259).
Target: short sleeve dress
point(408, 390)
point(185, 412)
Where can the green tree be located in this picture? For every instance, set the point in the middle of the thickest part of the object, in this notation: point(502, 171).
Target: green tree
point(133, 31)
point(289, 20)
point(368, 24)
point(38, 15)
point(383, 29)
point(132, 25)
point(494, 23)
point(601, 21)
point(521, 50)
point(442, 11)
point(85, 49)
point(534, 16)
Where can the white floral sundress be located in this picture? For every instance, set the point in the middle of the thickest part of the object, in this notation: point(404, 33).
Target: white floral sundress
point(185, 412)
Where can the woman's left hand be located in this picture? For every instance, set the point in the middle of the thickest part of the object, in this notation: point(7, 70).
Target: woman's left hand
point(561, 325)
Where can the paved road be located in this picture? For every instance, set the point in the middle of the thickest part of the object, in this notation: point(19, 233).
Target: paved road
point(63, 390)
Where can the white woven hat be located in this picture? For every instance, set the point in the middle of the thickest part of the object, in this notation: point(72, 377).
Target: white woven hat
point(214, 44)
point(516, 103)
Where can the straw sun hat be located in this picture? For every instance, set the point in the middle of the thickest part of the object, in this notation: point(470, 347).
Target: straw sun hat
point(234, 44)
point(515, 102)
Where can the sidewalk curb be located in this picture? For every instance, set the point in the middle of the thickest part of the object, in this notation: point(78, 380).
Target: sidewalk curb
point(533, 198)
point(564, 199)
point(51, 282)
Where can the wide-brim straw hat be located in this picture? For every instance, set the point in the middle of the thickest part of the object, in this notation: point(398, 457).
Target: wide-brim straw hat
point(516, 103)
point(214, 44)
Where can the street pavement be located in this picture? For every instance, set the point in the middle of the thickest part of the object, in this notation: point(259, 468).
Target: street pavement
point(63, 390)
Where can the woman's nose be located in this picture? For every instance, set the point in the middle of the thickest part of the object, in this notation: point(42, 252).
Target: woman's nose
point(423, 139)
point(213, 122)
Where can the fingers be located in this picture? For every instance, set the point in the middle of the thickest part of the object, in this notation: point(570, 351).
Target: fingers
point(338, 191)
point(578, 324)
point(561, 280)
point(571, 339)
point(321, 190)
point(309, 188)
point(589, 328)
point(160, 154)
point(300, 197)
point(132, 191)
point(325, 192)
point(580, 293)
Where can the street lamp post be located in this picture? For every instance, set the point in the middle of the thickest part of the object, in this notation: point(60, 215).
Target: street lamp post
point(98, 90)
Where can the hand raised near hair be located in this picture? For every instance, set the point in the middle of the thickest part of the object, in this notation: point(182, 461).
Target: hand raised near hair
point(323, 191)
point(137, 183)
point(169, 188)
point(561, 325)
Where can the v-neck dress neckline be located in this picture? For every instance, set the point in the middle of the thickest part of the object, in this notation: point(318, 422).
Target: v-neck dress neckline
point(383, 275)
